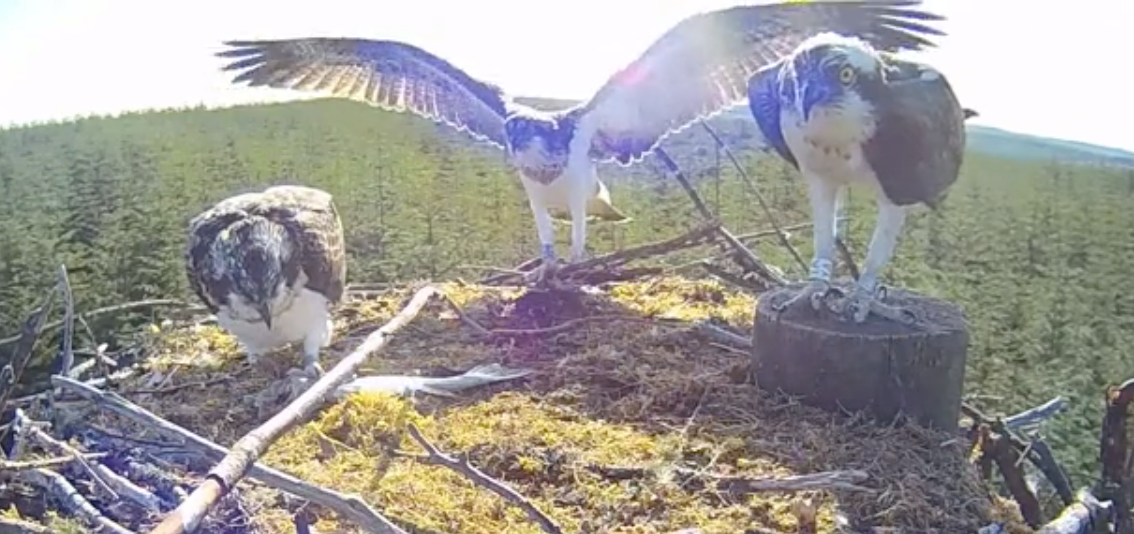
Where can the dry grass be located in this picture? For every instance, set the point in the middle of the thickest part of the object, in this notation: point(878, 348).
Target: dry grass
point(622, 391)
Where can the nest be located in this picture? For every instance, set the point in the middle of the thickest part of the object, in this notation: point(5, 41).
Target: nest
point(632, 421)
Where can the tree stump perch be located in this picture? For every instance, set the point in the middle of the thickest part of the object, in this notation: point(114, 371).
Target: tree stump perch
point(878, 367)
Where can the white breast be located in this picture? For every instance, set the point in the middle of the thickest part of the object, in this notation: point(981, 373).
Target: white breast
point(829, 145)
point(308, 315)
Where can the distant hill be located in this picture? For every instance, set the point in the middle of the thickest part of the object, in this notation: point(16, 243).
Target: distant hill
point(984, 139)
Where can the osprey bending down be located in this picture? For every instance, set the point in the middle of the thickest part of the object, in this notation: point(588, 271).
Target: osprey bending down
point(270, 265)
point(694, 70)
point(844, 113)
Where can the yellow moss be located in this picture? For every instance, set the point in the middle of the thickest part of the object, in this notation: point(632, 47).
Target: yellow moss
point(605, 395)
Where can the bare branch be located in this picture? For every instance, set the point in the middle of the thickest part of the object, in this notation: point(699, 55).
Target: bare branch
point(8, 466)
point(249, 448)
point(436, 457)
point(127, 306)
point(71, 500)
point(349, 506)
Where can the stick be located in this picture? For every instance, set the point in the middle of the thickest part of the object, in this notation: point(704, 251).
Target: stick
point(780, 233)
point(462, 466)
point(19, 526)
point(249, 448)
point(113, 309)
point(825, 480)
point(690, 239)
point(59, 447)
point(744, 257)
point(21, 355)
point(9, 466)
point(839, 242)
point(349, 506)
point(71, 500)
point(1034, 416)
point(1039, 455)
point(66, 355)
point(723, 336)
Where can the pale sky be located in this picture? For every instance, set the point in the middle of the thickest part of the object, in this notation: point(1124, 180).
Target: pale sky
point(1044, 67)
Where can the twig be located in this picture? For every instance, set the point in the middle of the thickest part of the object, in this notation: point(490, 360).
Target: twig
point(745, 257)
point(1033, 417)
point(478, 477)
point(780, 233)
point(58, 447)
point(1037, 452)
point(999, 449)
point(690, 239)
point(349, 506)
point(71, 500)
point(826, 480)
point(728, 277)
point(9, 525)
point(30, 332)
point(67, 356)
point(723, 336)
point(844, 250)
point(113, 309)
point(13, 466)
point(249, 448)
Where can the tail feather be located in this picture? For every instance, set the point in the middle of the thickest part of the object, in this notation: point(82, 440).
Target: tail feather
point(599, 208)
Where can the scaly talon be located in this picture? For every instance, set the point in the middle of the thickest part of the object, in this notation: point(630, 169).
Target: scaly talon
point(815, 291)
point(862, 302)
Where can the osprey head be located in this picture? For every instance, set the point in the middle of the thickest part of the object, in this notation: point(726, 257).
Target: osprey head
point(256, 251)
point(829, 73)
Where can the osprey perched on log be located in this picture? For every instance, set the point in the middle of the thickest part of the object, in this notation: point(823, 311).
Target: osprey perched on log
point(271, 265)
point(843, 112)
point(695, 70)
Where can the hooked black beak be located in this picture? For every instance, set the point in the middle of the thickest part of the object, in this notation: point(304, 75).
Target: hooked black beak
point(813, 94)
point(265, 314)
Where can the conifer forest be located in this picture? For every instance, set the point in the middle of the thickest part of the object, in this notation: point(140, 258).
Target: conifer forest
point(1037, 253)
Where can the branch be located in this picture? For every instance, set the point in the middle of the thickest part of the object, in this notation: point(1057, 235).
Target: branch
point(21, 355)
point(999, 449)
point(690, 239)
point(1035, 416)
point(826, 480)
point(747, 260)
point(154, 303)
point(8, 466)
point(66, 354)
point(249, 448)
point(10, 525)
point(780, 233)
point(71, 500)
point(478, 477)
point(1037, 452)
point(349, 506)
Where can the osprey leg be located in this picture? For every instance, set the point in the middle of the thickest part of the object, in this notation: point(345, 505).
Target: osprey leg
point(824, 197)
point(546, 233)
point(582, 176)
point(865, 297)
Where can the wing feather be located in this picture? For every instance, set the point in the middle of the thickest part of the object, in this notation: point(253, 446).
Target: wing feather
point(203, 231)
point(391, 75)
point(919, 142)
point(700, 67)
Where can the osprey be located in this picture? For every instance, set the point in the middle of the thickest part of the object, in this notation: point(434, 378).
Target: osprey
point(695, 70)
point(270, 265)
point(842, 112)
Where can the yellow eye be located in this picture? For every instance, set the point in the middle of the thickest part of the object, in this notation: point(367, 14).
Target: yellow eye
point(846, 75)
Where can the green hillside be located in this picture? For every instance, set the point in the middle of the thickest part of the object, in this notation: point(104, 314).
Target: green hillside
point(1037, 254)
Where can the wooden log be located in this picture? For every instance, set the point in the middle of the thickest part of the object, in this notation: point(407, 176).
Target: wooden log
point(878, 367)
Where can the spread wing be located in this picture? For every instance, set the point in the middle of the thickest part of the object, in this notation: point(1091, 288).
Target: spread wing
point(919, 141)
point(701, 66)
point(311, 215)
point(392, 75)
